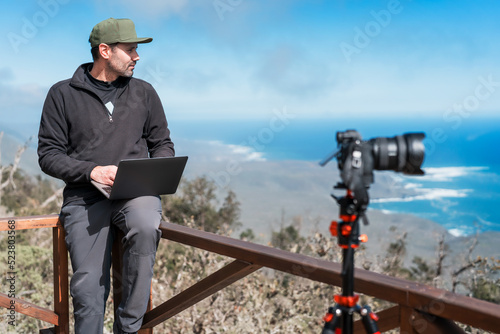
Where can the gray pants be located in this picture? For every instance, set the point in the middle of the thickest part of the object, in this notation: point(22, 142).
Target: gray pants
point(89, 236)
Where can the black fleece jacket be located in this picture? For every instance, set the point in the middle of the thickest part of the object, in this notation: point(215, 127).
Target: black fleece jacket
point(76, 133)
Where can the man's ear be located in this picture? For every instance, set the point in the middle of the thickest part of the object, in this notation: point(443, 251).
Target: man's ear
point(104, 50)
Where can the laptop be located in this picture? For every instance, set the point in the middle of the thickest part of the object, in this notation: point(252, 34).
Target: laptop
point(144, 177)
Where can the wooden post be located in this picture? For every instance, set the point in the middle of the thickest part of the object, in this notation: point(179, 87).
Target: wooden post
point(424, 323)
point(61, 286)
point(407, 317)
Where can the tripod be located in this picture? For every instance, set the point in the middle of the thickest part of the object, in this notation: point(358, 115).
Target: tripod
point(339, 319)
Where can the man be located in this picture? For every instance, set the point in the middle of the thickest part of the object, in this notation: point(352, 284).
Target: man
point(89, 123)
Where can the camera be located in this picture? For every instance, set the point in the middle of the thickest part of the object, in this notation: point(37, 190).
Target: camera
point(358, 158)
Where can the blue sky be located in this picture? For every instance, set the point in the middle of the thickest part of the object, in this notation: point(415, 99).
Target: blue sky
point(245, 58)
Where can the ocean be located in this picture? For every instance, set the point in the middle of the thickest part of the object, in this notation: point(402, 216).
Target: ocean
point(461, 188)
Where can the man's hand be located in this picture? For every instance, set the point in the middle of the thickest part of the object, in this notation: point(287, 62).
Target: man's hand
point(104, 174)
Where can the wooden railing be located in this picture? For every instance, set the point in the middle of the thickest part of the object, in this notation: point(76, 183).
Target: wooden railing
point(419, 308)
point(60, 315)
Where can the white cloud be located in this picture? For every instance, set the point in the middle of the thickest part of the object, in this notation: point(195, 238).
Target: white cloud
point(292, 71)
point(195, 80)
point(156, 8)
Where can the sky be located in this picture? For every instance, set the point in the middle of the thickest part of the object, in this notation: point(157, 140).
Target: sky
point(245, 59)
point(403, 63)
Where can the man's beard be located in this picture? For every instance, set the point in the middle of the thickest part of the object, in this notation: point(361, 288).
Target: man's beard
point(122, 70)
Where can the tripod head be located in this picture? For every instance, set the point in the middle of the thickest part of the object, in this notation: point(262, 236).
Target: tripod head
point(347, 229)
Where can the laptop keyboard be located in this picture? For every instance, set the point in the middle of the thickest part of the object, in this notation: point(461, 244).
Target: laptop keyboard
point(107, 189)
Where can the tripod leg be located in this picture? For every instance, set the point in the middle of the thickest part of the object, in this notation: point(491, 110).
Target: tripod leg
point(332, 321)
point(369, 320)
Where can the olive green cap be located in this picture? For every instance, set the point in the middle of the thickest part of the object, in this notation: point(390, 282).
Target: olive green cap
point(112, 31)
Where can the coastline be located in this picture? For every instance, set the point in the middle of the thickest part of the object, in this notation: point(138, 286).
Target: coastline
point(276, 193)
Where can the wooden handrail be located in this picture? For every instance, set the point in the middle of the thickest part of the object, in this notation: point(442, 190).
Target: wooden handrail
point(436, 302)
point(32, 222)
point(419, 308)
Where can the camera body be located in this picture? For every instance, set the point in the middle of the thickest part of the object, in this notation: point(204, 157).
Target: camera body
point(400, 153)
point(357, 159)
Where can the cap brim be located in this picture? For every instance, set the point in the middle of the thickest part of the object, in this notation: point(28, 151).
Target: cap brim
point(138, 40)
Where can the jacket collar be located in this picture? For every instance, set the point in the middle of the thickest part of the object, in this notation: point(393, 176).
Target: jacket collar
point(79, 78)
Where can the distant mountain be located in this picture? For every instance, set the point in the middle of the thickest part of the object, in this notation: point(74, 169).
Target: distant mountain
point(11, 142)
point(21, 131)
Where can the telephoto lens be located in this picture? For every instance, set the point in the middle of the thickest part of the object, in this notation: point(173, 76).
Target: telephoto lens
point(400, 153)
